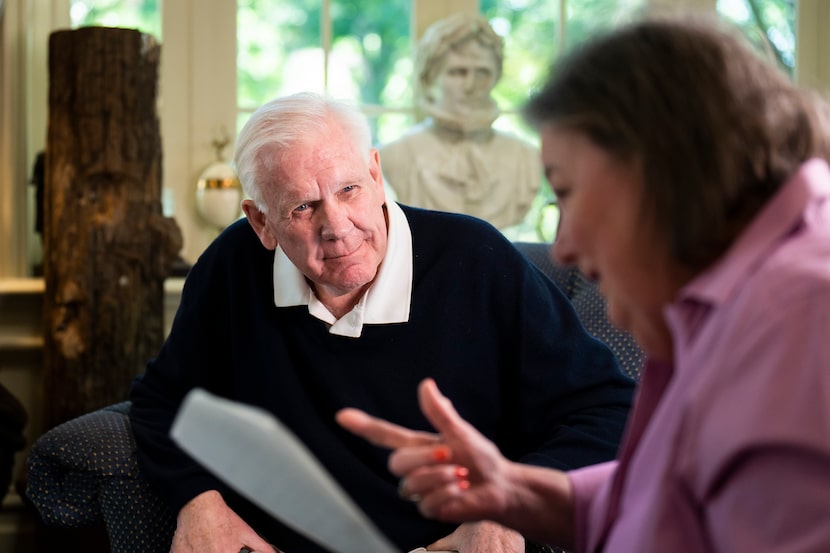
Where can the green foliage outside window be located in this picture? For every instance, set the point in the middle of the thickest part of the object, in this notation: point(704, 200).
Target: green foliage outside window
point(144, 15)
point(769, 24)
point(281, 50)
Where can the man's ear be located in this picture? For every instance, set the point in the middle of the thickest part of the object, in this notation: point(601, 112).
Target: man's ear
point(376, 172)
point(257, 220)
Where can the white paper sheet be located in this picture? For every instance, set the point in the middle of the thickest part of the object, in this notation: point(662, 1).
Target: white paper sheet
point(243, 445)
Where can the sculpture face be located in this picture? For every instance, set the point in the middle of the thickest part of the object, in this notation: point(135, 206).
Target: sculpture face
point(467, 76)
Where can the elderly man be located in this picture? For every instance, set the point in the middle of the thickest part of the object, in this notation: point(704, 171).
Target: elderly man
point(330, 296)
point(454, 160)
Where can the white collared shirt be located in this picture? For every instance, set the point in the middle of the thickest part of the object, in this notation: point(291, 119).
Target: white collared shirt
point(386, 301)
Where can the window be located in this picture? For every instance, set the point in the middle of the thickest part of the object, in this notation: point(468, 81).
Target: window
point(363, 51)
point(354, 50)
point(357, 49)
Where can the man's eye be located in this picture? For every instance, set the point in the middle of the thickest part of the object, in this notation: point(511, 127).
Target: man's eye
point(302, 207)
point(349, 188)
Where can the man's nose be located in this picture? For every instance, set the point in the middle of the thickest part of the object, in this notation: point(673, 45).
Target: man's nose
point(335, 223)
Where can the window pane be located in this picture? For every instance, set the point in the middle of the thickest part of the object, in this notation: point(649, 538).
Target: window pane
point(389, 125)
point(282, 49)
point(279, 50)
point(769, 24)
point(530, 29)
point(530, 43)
point(586, 17)
point(144, 15)
point(368, 39)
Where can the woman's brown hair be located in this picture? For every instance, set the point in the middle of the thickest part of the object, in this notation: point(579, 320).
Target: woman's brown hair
point(716, 128)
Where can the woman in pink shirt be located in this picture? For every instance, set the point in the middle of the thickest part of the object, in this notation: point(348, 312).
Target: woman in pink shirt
point(693, 184)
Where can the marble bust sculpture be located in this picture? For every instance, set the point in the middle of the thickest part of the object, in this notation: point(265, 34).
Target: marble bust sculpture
point(454, 160)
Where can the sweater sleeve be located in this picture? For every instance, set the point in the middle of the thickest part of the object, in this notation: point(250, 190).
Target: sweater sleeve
point(572, 398)
point(196, 353)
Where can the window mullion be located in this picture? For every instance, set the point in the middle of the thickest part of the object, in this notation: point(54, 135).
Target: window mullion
point(326, 39)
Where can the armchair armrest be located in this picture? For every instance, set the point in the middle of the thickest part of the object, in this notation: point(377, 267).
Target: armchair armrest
point(85, 471)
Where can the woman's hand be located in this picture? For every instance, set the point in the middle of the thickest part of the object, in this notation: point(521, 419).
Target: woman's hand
point(455, 475)
point(458, 475)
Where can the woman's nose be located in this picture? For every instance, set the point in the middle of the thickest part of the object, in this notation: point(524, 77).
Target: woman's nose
point(563, 249)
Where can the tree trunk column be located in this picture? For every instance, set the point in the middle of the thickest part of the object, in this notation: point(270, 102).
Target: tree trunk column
point(107, 246)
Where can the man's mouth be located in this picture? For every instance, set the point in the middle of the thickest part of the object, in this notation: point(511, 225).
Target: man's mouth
point(339, 255)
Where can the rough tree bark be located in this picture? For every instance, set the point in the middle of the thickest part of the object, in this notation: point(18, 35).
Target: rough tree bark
point(107, 246)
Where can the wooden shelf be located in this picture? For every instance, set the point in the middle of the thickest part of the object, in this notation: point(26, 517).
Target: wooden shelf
point(10, 286)
point(20, 343)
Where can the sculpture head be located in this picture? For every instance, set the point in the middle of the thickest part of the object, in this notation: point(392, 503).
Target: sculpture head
point(458, 62)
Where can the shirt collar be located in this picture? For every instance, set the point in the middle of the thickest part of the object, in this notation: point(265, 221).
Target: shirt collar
point(777, 219)
point(387, 300)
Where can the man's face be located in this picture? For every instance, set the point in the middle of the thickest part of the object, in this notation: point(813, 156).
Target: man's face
point(326, 213)
point(468, 73)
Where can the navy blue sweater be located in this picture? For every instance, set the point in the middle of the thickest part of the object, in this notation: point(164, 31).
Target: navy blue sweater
point(500, 339)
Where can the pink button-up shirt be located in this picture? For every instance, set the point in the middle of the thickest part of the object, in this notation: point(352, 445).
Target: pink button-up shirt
point(728, 450)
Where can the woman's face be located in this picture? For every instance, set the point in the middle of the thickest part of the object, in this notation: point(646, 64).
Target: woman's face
point(602, 231)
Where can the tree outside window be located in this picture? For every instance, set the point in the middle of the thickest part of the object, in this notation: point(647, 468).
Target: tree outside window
point(769, 24)
point(144, 15)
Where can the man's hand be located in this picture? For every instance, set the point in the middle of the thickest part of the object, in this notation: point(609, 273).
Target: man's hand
point(481, 537)
point(207, 525)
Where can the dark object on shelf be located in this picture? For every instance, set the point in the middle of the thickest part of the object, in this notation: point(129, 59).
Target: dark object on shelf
point(13, 418)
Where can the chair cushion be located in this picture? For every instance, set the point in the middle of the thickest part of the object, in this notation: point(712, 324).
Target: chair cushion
point(64, 479)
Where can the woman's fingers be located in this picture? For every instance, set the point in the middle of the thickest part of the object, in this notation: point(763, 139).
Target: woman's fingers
point(425, 481)
point(434, 484)
point(382, 433)
point(405, 460)
point(439, 410)
point(465, 442)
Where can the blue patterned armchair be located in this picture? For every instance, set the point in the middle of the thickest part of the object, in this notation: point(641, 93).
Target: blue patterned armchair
point(85, 472)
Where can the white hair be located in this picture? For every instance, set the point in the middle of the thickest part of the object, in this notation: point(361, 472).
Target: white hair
point(284, 122)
